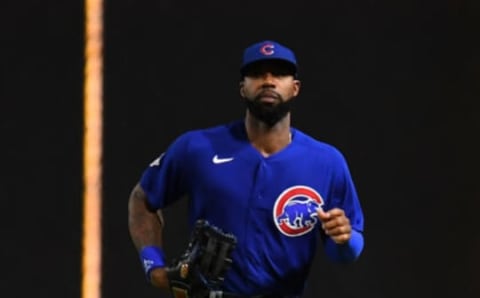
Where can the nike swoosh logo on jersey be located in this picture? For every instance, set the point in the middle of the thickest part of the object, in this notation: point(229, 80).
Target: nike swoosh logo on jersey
point(217, 160)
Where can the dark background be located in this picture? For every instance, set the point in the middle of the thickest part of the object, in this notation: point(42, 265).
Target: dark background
point(393, 84)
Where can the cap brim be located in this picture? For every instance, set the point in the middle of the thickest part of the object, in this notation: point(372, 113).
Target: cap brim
point(249, 67)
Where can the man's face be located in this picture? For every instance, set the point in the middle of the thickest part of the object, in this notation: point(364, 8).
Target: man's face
point(268, 87)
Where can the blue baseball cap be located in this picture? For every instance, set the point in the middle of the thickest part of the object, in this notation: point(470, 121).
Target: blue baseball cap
point(268, 50)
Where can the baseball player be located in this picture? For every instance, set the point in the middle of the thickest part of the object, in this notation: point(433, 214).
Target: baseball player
point(279, 191)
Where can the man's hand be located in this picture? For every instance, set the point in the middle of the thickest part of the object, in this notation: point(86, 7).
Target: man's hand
point(335, 224)
point(159, 279)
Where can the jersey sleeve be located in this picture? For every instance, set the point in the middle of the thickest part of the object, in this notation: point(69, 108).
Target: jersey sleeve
point(344, 195)
point(164, 179)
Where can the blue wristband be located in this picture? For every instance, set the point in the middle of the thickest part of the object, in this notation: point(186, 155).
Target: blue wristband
point(347, 252)
point(152, 257)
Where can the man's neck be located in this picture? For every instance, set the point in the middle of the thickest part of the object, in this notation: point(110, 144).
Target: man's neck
point(268, 139)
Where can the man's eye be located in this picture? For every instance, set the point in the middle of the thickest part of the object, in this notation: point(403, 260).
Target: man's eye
point(275, 73)
point(280, 73)
point(255, 74)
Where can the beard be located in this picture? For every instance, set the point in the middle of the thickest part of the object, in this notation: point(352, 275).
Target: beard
point(268, 113)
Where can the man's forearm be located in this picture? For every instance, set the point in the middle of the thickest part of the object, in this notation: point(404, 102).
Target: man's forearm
point(145, 228)
point(144, 225)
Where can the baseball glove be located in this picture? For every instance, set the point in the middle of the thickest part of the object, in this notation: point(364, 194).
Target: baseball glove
point(202, 267)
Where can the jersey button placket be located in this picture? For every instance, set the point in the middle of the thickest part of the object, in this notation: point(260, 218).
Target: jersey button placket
point(253, 225)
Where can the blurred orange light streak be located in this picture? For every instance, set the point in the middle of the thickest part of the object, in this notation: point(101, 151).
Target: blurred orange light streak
point(92, 150)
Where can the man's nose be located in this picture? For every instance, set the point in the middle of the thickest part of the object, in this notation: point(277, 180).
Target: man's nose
point(268, 77)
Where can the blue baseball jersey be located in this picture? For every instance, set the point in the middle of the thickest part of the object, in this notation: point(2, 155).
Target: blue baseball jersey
point(268, 203)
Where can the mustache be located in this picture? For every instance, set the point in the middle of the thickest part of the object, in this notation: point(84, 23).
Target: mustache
point(269, 93)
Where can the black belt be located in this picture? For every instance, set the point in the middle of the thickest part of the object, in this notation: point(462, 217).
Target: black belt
point(221, 294)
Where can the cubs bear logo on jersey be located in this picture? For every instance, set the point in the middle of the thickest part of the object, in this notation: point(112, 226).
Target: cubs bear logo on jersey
point(295, 210)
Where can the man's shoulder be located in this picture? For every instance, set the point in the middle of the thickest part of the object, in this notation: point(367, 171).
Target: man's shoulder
point(221, 132)
point(308, 140)
point(316, 146)
point(219, 129)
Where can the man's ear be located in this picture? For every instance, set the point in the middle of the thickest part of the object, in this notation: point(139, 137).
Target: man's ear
point(241, 86)
point(296, 88)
